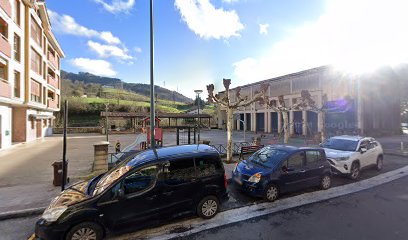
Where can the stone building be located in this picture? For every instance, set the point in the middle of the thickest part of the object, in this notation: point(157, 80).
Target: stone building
point(357, 103)
point(29, 72)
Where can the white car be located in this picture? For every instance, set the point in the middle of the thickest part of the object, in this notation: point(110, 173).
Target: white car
point(349, 154)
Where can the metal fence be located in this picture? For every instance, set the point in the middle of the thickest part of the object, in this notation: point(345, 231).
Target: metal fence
point(236, 147)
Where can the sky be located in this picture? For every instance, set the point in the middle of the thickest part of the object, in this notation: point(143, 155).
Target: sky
point(198, 42)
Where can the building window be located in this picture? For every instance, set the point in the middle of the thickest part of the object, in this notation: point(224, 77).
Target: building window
point(44, 100)
point(36, 62)
point(36, 31)
point(16, 84)
point(3, 71)
point(3, 29)
point(17, 17)
point(17, 47)
point(35, 91)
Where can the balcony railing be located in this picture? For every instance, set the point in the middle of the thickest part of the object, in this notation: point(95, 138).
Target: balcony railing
point(5, 89)
point(5, 46)
point(52, 103)
point(6, 6)
point(53, 60)
point(53, 82)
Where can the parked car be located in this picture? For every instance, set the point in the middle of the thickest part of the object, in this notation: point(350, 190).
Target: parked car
point(349, 154)
point(148, 187)
point(277, 169)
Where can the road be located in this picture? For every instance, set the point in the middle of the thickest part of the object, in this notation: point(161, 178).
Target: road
point(378, 213)
point(341, 209)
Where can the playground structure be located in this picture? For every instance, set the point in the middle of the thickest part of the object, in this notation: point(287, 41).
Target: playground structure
point(158, 133)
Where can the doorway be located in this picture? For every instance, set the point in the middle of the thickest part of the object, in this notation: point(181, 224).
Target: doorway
point(39, 128)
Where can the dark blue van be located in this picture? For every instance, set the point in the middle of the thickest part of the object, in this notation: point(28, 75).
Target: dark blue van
point(147, 188)
point(277, 169)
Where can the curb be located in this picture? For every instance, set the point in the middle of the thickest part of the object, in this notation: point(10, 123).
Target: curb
point(396, 154)
point(22, 213)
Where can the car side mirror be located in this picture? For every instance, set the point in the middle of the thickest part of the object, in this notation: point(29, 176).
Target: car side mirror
point(284, 169)
point(121, 194)
point(363, 150)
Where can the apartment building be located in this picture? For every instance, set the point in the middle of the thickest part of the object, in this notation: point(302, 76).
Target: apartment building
point(29, 72)
point(366, 103)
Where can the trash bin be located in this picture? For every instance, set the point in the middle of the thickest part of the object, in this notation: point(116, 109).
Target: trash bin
point(58, 173)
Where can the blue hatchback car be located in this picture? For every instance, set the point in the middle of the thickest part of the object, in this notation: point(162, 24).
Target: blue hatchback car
point(277, 169)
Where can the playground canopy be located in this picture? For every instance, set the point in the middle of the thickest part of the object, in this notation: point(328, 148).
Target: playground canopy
point(173, 118)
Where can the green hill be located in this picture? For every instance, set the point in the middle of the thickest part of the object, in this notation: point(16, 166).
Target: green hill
point(138, 88)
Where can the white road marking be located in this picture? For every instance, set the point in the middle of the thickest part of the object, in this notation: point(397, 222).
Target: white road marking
point(240, 214)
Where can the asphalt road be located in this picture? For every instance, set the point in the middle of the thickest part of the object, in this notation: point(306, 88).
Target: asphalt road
point(23, 227)
point(378, 213)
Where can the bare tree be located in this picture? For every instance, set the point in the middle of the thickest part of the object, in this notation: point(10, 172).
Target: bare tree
point(305, 102)
point(230, 106)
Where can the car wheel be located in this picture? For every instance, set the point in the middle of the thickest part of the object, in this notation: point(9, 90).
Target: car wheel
point(354, 171)
point(380, 163)
point(271, 193)
point(86, 230)
point(208, 207)
point(325, 182)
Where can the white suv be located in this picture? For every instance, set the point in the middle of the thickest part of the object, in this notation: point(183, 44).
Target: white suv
point(349, 154)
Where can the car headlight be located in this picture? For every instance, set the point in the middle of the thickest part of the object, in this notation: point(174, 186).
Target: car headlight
point(255, 178)
point(52, 214)
point(343, 158)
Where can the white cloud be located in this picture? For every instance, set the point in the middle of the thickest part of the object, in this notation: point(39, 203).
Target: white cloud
point(353, 35)
point(138, 49)
point(109, 38)
point(117, 6)
point(66, 24)
point(207, 21)
point(230, 1)
point(94, 66)
point(263, 28)
point(106, 51)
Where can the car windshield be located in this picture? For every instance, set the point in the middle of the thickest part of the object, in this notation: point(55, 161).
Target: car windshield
point(115, 173)
point(268, 157)
point(341, 144)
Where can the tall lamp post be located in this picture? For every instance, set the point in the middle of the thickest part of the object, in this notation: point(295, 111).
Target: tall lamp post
point(152, 113)
point(198, 92)
point(106, 121)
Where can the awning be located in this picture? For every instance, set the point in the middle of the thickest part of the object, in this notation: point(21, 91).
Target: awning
point(40, 117)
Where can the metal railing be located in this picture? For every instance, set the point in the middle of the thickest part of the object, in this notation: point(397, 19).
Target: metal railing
point(236, 147)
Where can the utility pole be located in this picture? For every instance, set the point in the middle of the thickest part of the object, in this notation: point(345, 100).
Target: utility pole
point(198, 92)
point(64, 149)
point(152, 113)
point(106, 121)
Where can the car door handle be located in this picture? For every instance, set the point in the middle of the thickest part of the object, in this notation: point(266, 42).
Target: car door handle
point(321, 166)
point(302, 171)
point(151, 198)
point(168, 193)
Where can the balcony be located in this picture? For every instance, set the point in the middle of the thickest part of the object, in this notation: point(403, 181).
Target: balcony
point(52, 59)
point(5, 89)
point(6, 6)
point(53, 82)
point(52, 103)
point(5, 46)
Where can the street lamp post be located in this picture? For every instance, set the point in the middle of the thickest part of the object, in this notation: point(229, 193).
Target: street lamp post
point(152, 113)
point(106, 121)
point(198, 92)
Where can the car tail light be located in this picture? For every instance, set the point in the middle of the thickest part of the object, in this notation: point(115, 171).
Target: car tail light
point(225, 181)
